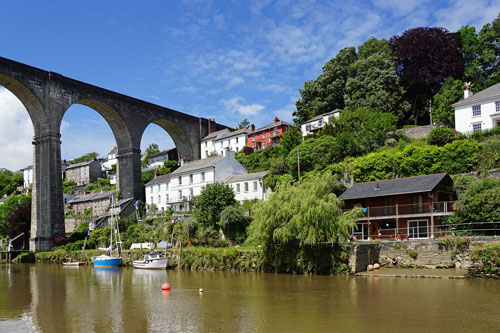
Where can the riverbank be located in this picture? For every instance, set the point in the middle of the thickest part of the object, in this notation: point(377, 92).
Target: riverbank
point(478, 258)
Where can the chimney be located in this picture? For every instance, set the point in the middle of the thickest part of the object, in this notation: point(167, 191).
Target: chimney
point(467, 91)
point(252, 128)
point(276, 119)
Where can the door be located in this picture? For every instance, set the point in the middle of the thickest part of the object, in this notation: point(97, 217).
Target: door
point(418, 229)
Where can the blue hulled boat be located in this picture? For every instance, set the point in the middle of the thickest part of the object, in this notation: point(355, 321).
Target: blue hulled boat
point(110, 260)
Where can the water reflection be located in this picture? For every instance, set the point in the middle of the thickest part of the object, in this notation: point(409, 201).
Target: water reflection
point(54, 298)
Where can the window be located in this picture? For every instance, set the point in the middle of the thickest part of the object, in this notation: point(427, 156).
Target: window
point(497, 106)
point(221, 144)
point(476, 127)
point(246, 186)
point(263, 136)
point(151, 200)
point(206, 153)
point(236, 139)
point(191, 193)
point(237, 148)
point(308, 127)
point(417, 206)
point(418, 229)
point(320, 122)
point(203, 176)
point(167, 198)
point(151, 189)
point(180, 194)
point(206, 144)
point(180, 180)
point(159, 187)
point(190, 179)
point(476, 110)
point(159, 198)
point(255, 186)
point(238, 188)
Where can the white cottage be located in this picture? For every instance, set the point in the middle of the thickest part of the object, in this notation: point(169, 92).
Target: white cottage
point(249, 186)
point(158, 192)
point(208, 143)
point(478, 112)
point(316, 123)
point(187, 182)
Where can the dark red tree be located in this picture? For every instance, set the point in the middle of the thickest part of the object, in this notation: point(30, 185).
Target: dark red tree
point(425, 57)
point(18, 222)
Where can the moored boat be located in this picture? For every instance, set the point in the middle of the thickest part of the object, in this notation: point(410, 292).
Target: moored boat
point(152, 261)
point(73, 263)
point(105, 260)
point(109, 259)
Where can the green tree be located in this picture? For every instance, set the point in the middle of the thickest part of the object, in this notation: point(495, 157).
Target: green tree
point(460, 156)
point(374, 83)
point(244, 123)
point(213, 199)
point(289, 140)
point(86, 157)
point(441, 136)
point(326, 93)
point(151, 150)
point(233, 223)
point(9, 207)
point(450, 92)
point(309, 213)
point(9, 181)
point(315, 153)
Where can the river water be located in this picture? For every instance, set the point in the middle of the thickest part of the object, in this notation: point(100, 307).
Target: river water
point(53, 298)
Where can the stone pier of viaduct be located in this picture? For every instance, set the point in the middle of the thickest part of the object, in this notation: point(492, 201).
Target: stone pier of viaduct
point(47, 96)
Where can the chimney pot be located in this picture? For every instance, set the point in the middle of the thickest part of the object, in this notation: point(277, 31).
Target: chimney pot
point(276, 119)
point(252, 128)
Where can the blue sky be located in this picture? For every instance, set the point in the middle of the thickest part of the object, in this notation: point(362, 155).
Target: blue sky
point(227, 60)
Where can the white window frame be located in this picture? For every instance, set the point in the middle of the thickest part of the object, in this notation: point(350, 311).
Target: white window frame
point(476, 110)
point(477, 127)
point(238, 188)
point(497, 106)
point(245, 187)
point(255, 186)
point(415, 229)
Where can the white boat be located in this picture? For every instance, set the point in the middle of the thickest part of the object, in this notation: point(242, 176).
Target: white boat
point(109, 259)
point(152, 261)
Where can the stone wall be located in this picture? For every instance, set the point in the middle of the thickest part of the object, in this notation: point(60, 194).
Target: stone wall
point(419, 132)
point(426, 253)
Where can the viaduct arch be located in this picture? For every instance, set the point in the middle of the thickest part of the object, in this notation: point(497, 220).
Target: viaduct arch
point(47, 96)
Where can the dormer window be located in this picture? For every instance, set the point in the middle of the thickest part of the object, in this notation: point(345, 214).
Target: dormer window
point(476, 110)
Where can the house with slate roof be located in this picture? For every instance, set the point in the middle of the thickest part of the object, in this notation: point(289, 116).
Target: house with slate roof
point(209, 143)
point(249, 186)
point(158, 192)
point(187, 182)
point(402, 208)
point(479, 111)
point(156, 160)
point(84, 173)
point(267, 136)
point(316, 123)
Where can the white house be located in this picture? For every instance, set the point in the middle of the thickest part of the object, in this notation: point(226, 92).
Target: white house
point(28, 176)
point(108, 165)
point(158, 192)
point(478, 112)
point(187, 182)
point(208, 143)
point(316, 123)
point(234, 141)
point(156, 160)
point(249, 186)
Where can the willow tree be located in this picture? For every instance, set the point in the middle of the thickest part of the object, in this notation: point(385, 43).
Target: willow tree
point(309, 213)
point(303, 227)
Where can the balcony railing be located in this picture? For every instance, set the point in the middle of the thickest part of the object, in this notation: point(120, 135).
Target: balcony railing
point(440, 208)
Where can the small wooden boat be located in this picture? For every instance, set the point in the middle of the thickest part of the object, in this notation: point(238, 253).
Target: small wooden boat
point(73, 263)
point(152, 261)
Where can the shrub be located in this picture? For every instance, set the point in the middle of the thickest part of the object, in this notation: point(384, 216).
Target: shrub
point(441, 136)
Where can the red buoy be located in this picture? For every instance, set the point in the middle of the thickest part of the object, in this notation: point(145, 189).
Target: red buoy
point(165, 286)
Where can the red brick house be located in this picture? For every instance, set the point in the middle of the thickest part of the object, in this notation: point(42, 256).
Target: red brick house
point(403, 208)
point(268, 135)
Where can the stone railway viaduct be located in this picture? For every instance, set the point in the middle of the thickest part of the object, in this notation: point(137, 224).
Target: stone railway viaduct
point(46, 96)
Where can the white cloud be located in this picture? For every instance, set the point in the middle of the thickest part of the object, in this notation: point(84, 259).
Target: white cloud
point(397, 6)
point(236, 81)
point(234, 105)
point(466, 12)
point(16, 133)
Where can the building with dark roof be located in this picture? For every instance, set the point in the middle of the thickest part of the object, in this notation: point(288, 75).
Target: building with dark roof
point(479, 111)
point(316, 123)
point(83, 173)
point(156, 160)
point(267, 136)
point(215, 143)
point(402, 208)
